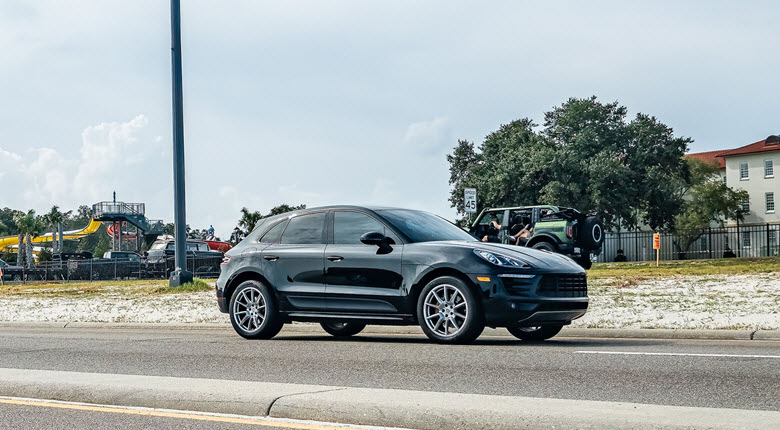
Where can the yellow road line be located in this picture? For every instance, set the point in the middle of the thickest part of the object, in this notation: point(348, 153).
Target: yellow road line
point(259, 421)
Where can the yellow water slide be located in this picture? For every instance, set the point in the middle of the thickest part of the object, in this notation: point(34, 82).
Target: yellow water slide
point(9, 241)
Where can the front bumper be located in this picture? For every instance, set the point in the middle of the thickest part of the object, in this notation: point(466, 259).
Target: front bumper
point(533, 299)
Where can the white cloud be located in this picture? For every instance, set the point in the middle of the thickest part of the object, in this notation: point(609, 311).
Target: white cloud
point(430, 137)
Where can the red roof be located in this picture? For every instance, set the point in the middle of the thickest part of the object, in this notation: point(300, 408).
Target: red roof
point(710, 157)
point(753, 148)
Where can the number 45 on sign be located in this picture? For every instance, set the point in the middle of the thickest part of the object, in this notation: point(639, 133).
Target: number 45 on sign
point(470, 200)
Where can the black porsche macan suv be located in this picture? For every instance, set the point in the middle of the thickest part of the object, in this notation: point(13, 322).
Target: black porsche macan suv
point(347, 266)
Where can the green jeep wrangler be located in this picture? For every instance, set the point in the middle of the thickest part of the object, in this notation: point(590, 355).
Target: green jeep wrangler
point(551, 228)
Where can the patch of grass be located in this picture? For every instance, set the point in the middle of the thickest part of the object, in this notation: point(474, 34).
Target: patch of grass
point(727, 266)
point(190, 287)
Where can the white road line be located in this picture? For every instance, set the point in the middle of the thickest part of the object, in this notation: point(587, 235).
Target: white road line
point(676, 354)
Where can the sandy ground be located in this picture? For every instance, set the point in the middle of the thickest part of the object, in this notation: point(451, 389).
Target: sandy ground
point(683, 302)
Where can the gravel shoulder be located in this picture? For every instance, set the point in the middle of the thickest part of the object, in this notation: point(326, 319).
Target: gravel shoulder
point(716, 295)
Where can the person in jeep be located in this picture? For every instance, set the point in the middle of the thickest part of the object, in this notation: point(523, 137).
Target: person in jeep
point(550, 228)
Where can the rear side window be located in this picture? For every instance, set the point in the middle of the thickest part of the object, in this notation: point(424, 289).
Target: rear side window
point(349, 226)
point(273, 235)
point(305, 229)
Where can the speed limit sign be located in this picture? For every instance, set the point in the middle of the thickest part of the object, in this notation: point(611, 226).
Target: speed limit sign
point(470, 199)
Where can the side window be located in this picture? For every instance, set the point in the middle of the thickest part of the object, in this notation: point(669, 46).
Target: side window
point(192, 247)
point(349, 226)
point(171, 246)
point(305, 229)
point(273, 235)
point(520, 218)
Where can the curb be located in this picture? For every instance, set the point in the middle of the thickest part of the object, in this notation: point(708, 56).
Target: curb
point(367, 406)
point(571, 332)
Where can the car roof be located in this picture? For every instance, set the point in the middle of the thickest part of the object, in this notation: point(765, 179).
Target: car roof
point(522, 207)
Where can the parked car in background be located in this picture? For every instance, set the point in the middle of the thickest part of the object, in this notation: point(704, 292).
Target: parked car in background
point(129, 256)
point(201, 259)
point(11, 273)
point(348, 266)
point(556, 229)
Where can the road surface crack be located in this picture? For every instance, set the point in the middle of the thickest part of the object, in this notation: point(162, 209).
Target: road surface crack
point(273, 402)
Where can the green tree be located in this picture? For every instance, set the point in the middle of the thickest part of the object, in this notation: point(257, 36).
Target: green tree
point(29, 226)
point(708, 200)
point(55, 219)
point(586, 156)
point(3, 228)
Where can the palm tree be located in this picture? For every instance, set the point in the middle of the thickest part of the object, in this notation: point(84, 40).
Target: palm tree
point(20, 220)
point(29, 226)
point(249, 220)
point(55, 219)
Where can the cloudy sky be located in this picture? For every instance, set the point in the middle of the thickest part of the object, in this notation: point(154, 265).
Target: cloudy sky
point(347, 101)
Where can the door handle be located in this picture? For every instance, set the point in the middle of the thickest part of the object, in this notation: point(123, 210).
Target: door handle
point(334, 258)
point(271, 257)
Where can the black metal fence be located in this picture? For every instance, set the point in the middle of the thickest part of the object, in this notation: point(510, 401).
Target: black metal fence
point(100, 269)
point(721, 242)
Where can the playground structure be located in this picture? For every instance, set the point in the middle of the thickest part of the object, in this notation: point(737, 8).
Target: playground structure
point(121, 213)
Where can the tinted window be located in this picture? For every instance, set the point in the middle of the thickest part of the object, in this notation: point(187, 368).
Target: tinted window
point(305, 229)
point(349, 226)
point(424, 227)
point(273, 235)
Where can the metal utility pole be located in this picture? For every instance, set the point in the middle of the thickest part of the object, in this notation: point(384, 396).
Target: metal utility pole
point(180, 275)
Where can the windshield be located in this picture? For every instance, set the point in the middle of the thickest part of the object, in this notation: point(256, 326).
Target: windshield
point(423, 227)
point(158, 245)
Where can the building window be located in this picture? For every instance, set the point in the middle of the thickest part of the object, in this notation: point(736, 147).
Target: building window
point(743, 170)
point(770, 202)
point(746, 239)
point(769, 169)
point(746, 205)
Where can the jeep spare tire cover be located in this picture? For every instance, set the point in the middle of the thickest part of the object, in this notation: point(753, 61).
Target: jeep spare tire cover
point(591, 233)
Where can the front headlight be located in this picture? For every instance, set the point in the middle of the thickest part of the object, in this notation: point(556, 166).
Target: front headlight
point(501, 259)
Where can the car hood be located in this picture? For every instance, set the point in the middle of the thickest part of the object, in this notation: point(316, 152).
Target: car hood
point(535, 257)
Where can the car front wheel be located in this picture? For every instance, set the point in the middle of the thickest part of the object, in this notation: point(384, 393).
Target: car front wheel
point(448, 312)
point(342, 329)
point(253, 311)
point(535, 334)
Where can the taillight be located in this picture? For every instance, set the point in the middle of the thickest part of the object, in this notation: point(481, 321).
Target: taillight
point(225, 260)
point(569, 231)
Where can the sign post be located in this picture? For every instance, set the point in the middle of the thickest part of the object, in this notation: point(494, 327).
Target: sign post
point(657, 247)
point(470, 201)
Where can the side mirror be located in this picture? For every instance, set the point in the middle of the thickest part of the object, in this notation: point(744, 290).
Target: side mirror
point(146, 254)
point(374, 238)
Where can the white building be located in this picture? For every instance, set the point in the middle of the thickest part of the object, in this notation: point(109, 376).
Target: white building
point(751, 168)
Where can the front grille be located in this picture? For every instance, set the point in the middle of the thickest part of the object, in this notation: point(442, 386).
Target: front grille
point(575, 285)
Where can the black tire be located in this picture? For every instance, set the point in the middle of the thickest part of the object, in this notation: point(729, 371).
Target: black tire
point(342, 329)
point(585, 262)
point(535, 334)
point(459, 297)
point(245, 294)
point(545, 246)
point(591, 233)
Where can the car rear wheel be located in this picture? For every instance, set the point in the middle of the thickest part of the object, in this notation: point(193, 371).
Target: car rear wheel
point(342, 329)
point(535, 334)
point(448, 312)
point(253, 311)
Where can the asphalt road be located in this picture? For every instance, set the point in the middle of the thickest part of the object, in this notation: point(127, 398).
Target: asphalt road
point(723, 374)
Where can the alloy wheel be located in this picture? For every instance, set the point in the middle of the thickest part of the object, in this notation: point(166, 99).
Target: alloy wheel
point(249, 309)
point(445, 310)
